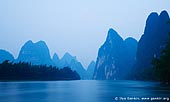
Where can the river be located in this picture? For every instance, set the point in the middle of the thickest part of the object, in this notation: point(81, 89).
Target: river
point(83, 91)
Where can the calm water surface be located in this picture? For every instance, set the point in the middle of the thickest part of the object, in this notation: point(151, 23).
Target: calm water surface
point(80, 91)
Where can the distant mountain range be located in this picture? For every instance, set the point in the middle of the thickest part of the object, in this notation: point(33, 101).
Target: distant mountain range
point(38, 54)
point(128, 59)
point(70, 61)
point(117, 59)
point(90, 70)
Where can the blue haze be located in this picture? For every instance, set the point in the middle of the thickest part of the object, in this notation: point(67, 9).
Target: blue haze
point(80, 91)
point(77, 27)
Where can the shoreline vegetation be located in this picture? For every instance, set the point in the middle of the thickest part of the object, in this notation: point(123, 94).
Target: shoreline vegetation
point(161, 65)
point(26, 72)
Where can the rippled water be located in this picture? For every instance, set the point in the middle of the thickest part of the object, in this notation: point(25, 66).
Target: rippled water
point(80, 91)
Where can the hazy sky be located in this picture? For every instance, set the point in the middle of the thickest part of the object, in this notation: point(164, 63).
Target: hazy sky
point(75, 26)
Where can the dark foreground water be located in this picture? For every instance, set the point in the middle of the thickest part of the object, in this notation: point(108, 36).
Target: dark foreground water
point(82, 91)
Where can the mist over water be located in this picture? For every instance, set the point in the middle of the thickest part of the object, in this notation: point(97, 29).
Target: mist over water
point(79, 91)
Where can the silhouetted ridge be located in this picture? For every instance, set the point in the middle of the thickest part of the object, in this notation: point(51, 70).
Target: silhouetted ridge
point(151, 44)
point(38, 54)
point(90, 70)
point(68, 58)
point(56, 60)
point(70, 61)
point(55, 56)
point(35, 53)
point(5, 55)
point(164, 15)
point(130, 40)
point(115, 57)
point(113, 35)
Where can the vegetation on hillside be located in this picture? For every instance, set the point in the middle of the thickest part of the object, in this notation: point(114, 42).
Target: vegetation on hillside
point(161, 65)
point(24, 71)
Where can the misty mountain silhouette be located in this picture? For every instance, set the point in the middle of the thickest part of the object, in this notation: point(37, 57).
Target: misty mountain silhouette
point(70, 61)
point(115, 56)
point(151, 43)
point(118, 59)
point(56, 60)
point(90, 70)
point(35, 53)
point(5, 55)
point(38, 54)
